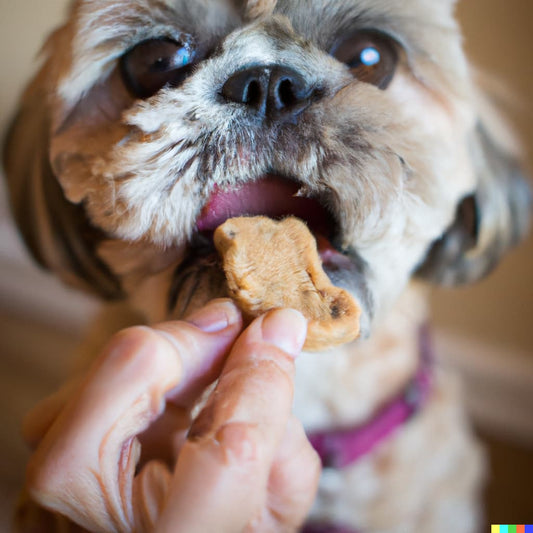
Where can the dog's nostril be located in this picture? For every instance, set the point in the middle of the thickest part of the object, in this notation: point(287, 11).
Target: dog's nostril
point(248, 87)
point(273, 92)
point(252, 94)
point(285, 95)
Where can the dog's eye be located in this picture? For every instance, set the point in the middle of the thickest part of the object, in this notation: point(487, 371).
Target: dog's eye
point(371, 56)
point(153, 64)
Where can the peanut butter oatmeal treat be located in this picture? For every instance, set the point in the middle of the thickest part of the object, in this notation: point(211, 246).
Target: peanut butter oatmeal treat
point(271, 264)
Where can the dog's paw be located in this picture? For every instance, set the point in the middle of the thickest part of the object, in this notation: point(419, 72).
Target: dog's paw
point(271, 264)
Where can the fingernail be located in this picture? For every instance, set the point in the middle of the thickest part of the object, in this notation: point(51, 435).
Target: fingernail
point(216, 316)
point(285, 329)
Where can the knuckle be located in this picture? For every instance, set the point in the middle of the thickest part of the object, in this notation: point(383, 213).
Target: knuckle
point(270, 364)
point(241, 442)
point(309, 456)
point(314, 462)
point(141, 347)
point(310, 468)
point(232, 444)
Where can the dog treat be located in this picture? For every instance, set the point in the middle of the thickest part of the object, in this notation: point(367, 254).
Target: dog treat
point(271, 264)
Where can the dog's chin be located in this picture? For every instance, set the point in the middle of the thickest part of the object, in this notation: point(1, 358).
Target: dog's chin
point(200, 277)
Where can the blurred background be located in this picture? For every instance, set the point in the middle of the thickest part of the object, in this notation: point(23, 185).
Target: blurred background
point(485, 331)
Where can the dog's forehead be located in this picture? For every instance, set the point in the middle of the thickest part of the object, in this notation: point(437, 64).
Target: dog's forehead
point(208, 14)
point(128, 20)
point(252, 9)
point(322, 12)
point(104, 29)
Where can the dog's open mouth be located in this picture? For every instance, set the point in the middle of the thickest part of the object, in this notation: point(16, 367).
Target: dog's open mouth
point(200, 277)
point(275, 197)
point(271, 196)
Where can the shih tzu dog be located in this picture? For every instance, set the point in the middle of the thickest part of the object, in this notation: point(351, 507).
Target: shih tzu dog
point(153, 121)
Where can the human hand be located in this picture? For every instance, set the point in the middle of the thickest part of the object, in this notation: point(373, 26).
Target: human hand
point(246, 464)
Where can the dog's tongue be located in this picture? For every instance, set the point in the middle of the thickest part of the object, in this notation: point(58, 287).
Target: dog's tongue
point(270, 196)
point(274, 197)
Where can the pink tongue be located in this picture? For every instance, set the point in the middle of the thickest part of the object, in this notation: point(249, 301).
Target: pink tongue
point(274, 197)
point(271, 196)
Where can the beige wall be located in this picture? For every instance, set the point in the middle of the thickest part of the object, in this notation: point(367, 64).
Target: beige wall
point(23, 25)
point(499, 38)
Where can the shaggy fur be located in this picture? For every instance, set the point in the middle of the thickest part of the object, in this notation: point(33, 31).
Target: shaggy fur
point(108, 188)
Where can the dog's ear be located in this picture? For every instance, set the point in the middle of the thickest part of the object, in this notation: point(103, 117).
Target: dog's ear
point(488, 222)
point(56, 231)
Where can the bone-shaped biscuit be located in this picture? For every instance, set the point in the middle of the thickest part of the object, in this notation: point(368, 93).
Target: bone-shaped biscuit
point(272, 264)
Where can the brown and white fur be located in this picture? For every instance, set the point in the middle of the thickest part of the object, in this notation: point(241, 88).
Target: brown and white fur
point(107, 189)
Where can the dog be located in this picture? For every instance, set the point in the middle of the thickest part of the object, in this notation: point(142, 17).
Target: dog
point(362, 113)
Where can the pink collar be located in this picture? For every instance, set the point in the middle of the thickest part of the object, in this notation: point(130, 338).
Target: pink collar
point(341, 448)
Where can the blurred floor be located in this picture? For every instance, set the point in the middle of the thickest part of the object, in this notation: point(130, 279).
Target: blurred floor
point(32, 364)
point(509, 493)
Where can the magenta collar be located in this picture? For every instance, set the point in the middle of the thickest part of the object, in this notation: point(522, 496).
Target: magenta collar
point(341, 448)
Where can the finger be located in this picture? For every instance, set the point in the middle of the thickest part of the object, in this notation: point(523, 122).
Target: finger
point(293, 481)
point(224, 465)
point(85, 464)
point(202, 366)
point(150, 493)
point(202, 371)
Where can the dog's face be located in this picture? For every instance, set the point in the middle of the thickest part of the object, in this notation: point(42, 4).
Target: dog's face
point(154, 120)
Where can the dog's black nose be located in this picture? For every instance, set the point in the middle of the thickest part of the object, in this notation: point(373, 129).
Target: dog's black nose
point(274, 92)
